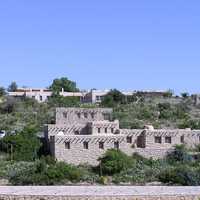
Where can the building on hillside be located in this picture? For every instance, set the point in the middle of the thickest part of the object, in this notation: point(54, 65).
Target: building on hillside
point(42, 95)
point(83, 135)
point(96, 96)
point(92, 96)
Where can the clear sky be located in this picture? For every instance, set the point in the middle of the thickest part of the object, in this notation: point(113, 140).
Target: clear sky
point(124, 44)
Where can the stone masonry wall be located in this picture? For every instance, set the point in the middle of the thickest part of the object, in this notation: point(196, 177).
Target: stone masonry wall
point(99, 193)
point(80, 115)
point(134, 197)
point(77, 154)
point(83, 135)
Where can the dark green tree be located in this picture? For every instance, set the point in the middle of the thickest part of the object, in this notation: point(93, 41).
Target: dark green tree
point(114, 97)
point(2, 91)
point(23, 146)
point(65, 84)
point(12, 87)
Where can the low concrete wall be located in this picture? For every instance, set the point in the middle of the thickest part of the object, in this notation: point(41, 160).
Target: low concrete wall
point(99, 193)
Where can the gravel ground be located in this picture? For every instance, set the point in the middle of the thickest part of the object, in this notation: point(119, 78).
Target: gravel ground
point(98, 190)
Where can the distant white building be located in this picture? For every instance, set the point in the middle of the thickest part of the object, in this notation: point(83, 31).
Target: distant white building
point(92, 96)
point(42, 95)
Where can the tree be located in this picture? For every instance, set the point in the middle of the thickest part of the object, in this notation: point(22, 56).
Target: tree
point(12, 87)
point(113, 97)
point(168, 94)
point(23, 146)
point(65, 84)
point(2, 91)
point(185, 95)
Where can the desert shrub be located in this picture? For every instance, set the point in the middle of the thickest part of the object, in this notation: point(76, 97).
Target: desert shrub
point(23, 146)
point(103, 180)
point(145, 170)
point(88, 174)
point(41, 173)
point(189, 123)
point(60, 101)
point(179, 154)
point(115, 161)
point(181, 175)
point(165, 110)
point(181, 111)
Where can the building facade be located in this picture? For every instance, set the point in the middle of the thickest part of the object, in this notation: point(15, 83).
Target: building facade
point(83, 135)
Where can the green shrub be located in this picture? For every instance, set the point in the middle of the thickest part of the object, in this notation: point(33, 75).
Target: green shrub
point(23, 146)
point(103, 180)
point(179, 154)
point(115, 161)
point(189, 123)
point(182, 175)
point(41, 173)
point(114, 97)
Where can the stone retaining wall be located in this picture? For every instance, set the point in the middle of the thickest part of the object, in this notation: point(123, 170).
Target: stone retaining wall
point(15, 197)
point(99, 193)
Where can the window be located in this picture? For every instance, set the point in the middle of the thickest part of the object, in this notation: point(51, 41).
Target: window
point(101, 145)
point(85, 145)
point(85, 115)
point(158, 139)
point(116, 145)
point(168, 139)
point(99, 130)
point(129, 139)
point(79, 115)
point(67, 145)
point(52, 138)
point(106, 130)
point(106, 116)
point(112, 130)
point(65, 115)
point(182, 139)
point(40, 98)
point(92, 115)
point(98, 98)
point(77, 133)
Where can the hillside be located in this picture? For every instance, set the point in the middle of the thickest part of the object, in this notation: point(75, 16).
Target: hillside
point(164, 113)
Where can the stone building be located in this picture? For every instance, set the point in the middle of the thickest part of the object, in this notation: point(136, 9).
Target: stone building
point(83, 135)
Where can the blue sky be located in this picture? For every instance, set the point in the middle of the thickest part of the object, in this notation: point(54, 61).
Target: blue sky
point(124, 44)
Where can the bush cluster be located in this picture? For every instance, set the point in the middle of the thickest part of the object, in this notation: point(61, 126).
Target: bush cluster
point(178, 168)
point(42, 173)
